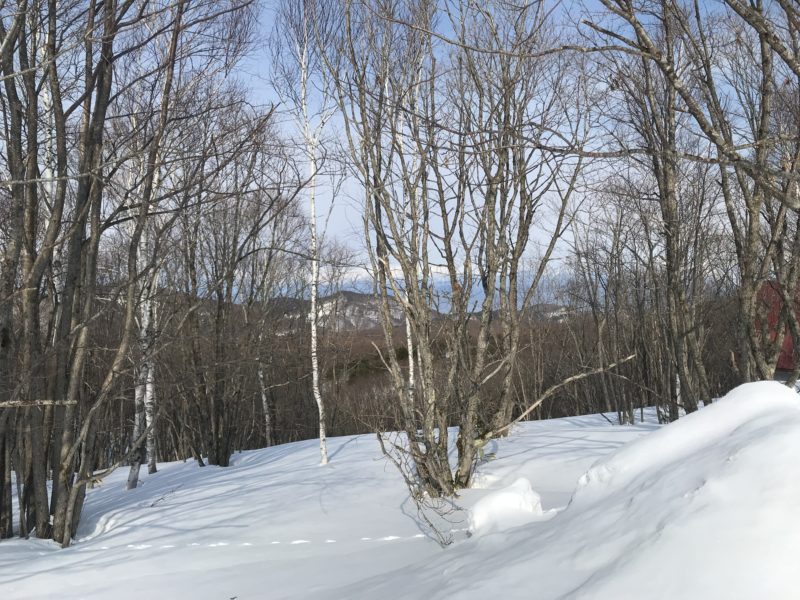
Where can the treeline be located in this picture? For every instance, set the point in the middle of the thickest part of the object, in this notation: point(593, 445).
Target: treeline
point(133, 162)
point(564, 211)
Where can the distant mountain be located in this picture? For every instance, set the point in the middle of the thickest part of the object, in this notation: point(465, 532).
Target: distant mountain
point(547, 311)
point(356, 311)
point(342, 311)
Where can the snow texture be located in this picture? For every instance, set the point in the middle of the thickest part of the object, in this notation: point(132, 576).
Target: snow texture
point(705, 508)
point(508, 507)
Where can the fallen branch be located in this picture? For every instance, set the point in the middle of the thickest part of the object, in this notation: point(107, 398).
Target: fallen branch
point(549, 392)
point(24, 403)
point(98, 476)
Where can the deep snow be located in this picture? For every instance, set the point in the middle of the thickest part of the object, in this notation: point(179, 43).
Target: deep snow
point(708, 507)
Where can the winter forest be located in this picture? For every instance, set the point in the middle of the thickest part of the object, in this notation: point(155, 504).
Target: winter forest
point(229, 225)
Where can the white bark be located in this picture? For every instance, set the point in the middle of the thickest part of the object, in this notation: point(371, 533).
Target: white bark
point(310, 139)
point(49, 187)
point(138, 424)
point(150, 375)
point(144, 392)
point(314, 314)
point(299, 23)
point(410, 346)
point(266, 405)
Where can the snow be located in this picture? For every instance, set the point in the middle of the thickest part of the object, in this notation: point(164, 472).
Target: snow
point(505, 508)
point(706, 507)
point(576, 508)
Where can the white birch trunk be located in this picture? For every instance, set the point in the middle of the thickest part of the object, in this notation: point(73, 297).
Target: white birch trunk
point(150, 375)
point(50, 186)
point(266, 405)
point(144, 373)
point(313, 316)
point(145, 392)
point(138, 428)
point(310, 140)
point(140, 383)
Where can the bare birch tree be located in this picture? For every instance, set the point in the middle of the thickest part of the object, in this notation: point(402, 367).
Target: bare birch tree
point(301, 28)
point(458, 146)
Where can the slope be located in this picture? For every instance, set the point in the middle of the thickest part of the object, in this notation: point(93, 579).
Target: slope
point(277, 525)
point(704, 508)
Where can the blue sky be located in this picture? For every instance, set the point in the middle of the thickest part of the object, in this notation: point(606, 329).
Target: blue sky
point(340, 218)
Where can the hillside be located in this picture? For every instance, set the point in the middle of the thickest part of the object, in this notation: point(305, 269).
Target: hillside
point(355, 311)
point(702, 508)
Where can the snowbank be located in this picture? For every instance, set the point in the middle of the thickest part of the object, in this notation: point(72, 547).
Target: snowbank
point(705, 508)
point(509, 507)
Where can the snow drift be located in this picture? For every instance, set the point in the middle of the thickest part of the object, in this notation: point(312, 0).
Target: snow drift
point(505, 508)
point(707, 507)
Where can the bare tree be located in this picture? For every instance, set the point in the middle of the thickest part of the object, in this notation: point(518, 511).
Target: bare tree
point(451, 146)
point(302, 28)
point(66, 177)
point(740, 126)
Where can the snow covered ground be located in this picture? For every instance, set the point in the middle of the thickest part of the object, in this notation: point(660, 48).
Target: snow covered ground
point(708, 507)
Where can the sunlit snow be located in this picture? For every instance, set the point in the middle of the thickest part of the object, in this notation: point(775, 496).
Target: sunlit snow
point(705, 508)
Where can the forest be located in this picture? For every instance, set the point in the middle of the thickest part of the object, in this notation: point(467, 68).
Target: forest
point(563, 208)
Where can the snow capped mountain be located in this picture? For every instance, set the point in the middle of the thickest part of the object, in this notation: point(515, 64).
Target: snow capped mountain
point(343, 311)
point(356, 311)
